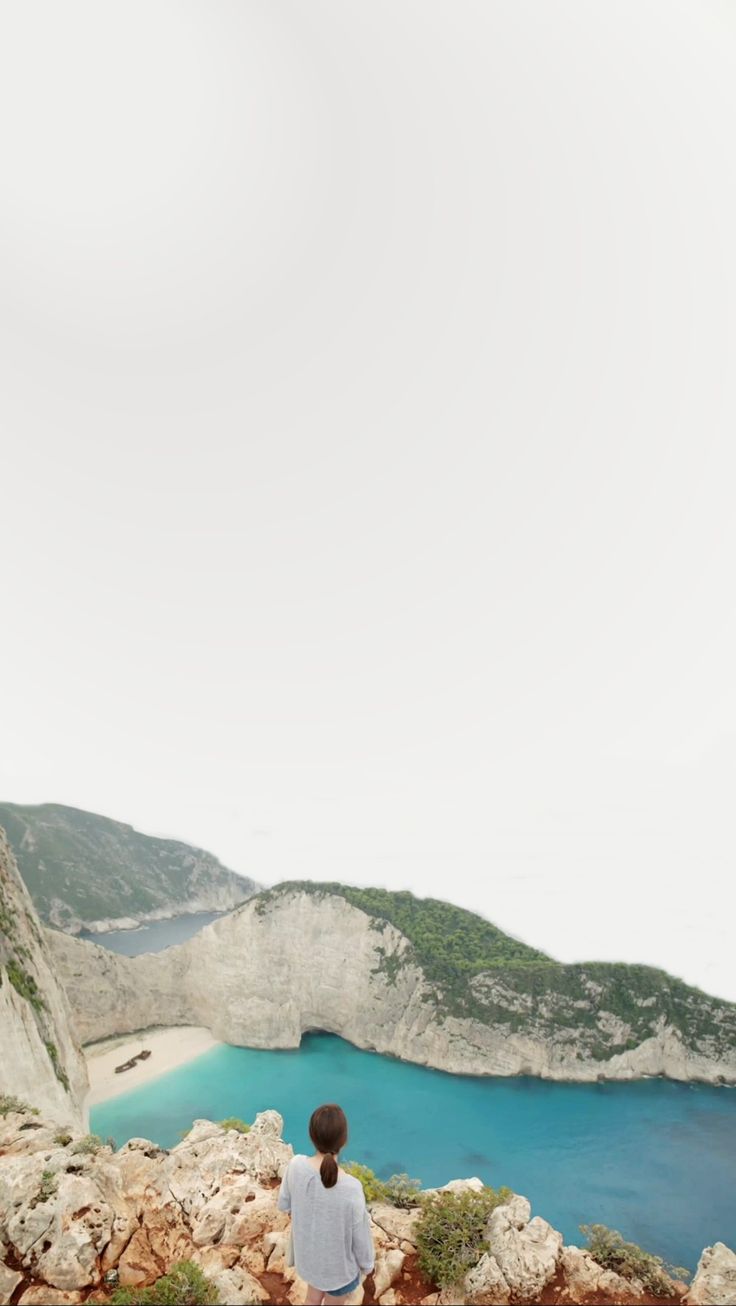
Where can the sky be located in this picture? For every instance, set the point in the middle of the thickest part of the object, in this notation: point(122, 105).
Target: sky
point(367, 448)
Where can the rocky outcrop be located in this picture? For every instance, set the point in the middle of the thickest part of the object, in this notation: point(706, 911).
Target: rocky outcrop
point(715, 1280)
point(268, 972)
point(77, 1219)
point(85, 871)
point(41, 1059)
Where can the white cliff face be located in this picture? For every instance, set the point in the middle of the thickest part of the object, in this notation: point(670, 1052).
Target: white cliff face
point(41, 1062)
point(262, 977)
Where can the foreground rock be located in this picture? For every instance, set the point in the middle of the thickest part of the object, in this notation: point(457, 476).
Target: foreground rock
point(715, 1280)
point(76, 1216)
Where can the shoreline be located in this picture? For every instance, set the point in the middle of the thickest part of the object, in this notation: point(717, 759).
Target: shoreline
point(171, 1046)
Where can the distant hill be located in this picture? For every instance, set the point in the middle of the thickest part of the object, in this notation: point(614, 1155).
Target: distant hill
point(85, 871)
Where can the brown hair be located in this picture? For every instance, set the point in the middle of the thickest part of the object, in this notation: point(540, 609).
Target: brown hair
point(328, 1130)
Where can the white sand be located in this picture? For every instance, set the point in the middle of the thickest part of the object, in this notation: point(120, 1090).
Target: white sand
point(170, 1046)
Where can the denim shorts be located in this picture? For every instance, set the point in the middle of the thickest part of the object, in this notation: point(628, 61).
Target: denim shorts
point(343, 1292)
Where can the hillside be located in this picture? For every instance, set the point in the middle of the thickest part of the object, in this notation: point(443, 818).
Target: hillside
point(417, 979)
point(41, 1055)
point(479, 972)
point(87, 871)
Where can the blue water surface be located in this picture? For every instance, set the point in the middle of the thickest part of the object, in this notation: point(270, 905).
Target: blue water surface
point(653, 1159)
point(155, 936)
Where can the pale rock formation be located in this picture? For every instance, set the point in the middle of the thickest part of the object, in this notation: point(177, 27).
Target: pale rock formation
point(486, 1284)
point(398, 1225)
point(324, 966)
point(46, 1067)
point(9, 1280)
point(714, 1283)
point(389, 1265)
point(522, 1258)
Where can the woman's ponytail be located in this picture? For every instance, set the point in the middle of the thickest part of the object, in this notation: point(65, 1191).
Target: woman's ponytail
point(328, 1130)
point(328, 1170)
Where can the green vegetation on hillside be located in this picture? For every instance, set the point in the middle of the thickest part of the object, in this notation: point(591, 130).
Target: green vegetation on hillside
point(184, 1285)
point(476, 971)
point(451, 1233)
point(80, 867)
point(447, 940)
point(608, 1248)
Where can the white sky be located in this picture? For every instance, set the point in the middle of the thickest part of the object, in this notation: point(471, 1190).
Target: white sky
point(368, 468)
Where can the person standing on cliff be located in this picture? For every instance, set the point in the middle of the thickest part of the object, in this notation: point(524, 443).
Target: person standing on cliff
point(331, 1242)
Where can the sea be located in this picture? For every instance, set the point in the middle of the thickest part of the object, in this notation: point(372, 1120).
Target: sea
point(652, 1158)
point(153, 937)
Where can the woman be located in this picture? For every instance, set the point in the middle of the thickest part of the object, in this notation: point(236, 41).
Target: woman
point(331, 1232)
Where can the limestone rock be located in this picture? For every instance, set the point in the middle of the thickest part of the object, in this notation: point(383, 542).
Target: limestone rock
point(211, 1162)
point(485, 1284)
point(238, 1288)
point(526, 1251)
point(389, 1265)
point(398, 1225)
point(9, 1280)
point(714, 1283)
point(40, 1295)
point(473, 1185)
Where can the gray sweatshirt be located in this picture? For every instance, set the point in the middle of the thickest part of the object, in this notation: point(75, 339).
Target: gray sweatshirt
point(330, 1226)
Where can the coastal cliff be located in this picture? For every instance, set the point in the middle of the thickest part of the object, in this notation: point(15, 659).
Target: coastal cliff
point(85, 871)
point(305, 957)
point(41, 1057)
point(79, 1221)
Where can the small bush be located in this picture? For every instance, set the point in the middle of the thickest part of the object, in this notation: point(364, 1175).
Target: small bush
point(184, 1285)
point(232, 1122)
point(402, 1191)
point(47, 1189)
point(26, 985)
point(88, 1145)
point(451, 1233)
point(10, 1104)
point(59, 1071)
point(62, 1139)
point(608, 1248)
point(373, 1188)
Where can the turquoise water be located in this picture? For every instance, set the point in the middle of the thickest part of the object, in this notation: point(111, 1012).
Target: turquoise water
point(654, 1159)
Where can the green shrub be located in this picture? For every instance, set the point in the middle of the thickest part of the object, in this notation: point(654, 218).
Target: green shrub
point(47, 1188)
point(232, 1122)
point(608, 1248)
point(184, 1285)
point(373, 1188)
point(59, 1071)
point(451, 1232)
point(9, 1104)
point(62, 1139)
point(88, 1145)
point(25, 984)
point(402, 1191)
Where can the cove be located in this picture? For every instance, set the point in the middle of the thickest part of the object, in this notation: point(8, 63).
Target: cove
point(652, 1158)
point(155, 936)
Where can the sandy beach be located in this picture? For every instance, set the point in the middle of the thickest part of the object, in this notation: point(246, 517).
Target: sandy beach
point(170, 1046)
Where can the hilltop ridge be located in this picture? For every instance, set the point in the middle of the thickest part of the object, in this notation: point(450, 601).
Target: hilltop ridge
point(85, 871)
